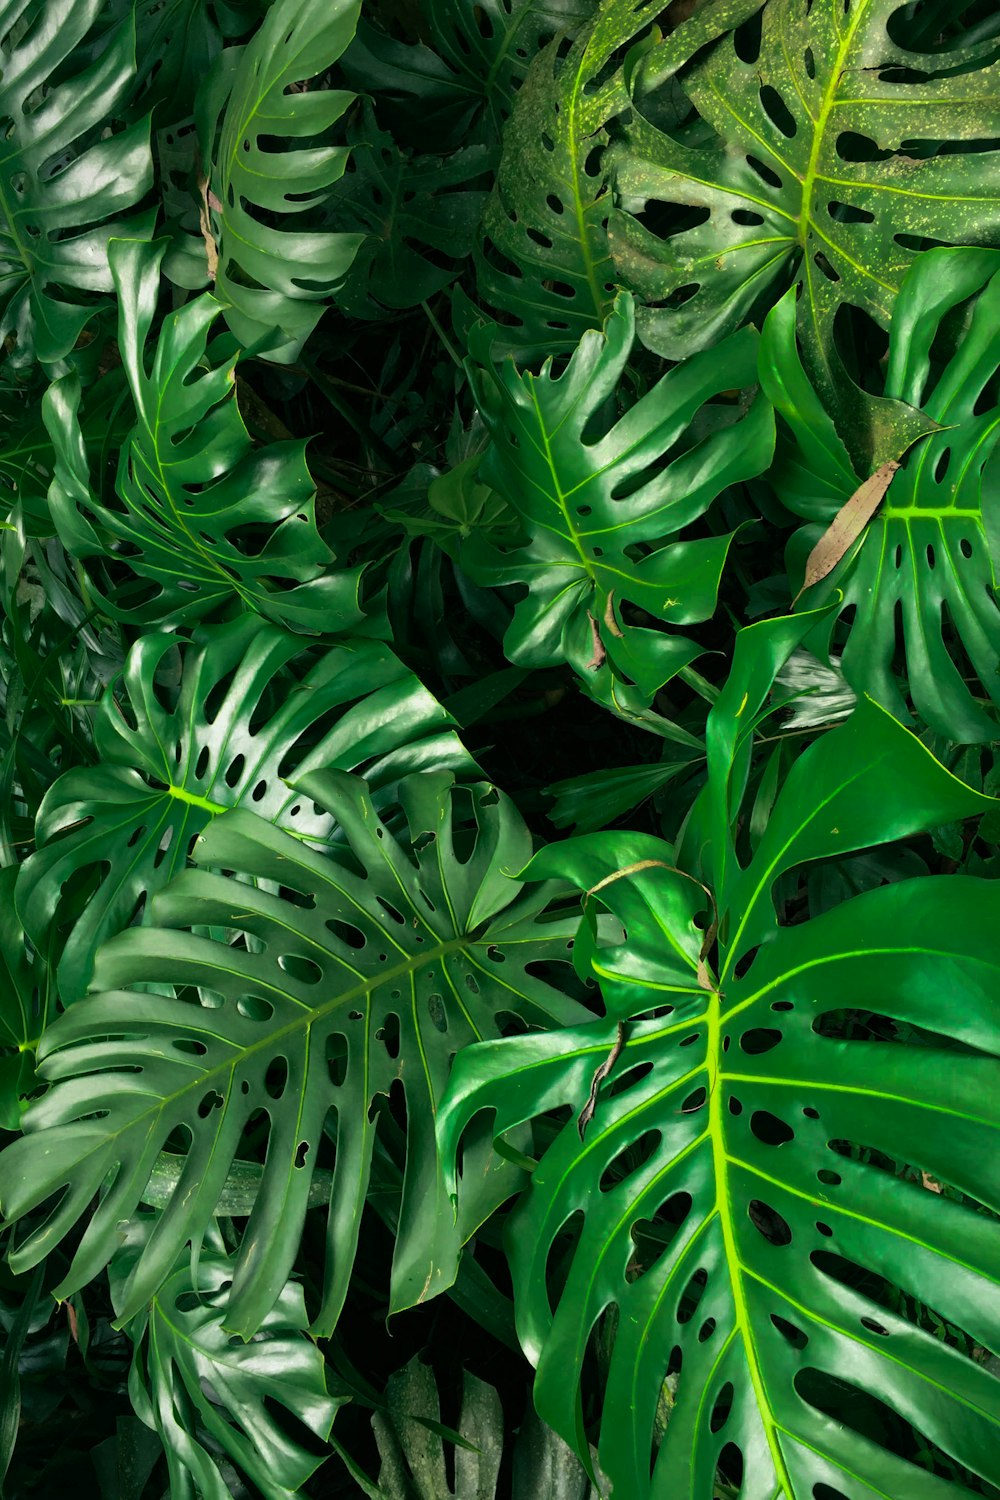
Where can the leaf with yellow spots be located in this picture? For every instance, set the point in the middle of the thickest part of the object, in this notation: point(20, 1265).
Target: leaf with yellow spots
point(829, 147)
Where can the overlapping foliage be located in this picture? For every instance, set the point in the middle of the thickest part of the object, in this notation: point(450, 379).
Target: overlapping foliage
point(425, 429)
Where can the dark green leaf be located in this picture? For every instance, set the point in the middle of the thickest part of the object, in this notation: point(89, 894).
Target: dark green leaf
point(929, 555)
point(204, 519)
point(826, 156)
point(373, 963)
point(250, 712)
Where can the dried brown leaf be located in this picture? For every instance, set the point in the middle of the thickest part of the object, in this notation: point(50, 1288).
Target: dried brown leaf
point(846, 526)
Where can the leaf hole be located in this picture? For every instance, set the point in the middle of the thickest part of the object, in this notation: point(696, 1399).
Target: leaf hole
point(346, 933)
point(820, 260)
point(213, 1100)
point(336, 1059)
point(722, 1407)
point(190, 1046)
point(765, 173)
point(769, 1223)
point(760, 1039)
point(777, 111)
point(388, 1035)
point(769, 1130)
point(298, 967)
point(692, 1294)
point(255, 1008)
point(846, 213)
point(653, 1237)
point(789, 1331)
point(276, 1077)
point(629, 1160)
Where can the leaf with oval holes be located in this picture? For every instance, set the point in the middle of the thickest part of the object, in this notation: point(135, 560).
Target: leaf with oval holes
point(824, 152)
point(356, 970)
point(544, 261)
point(202, 518)
point(253, 709)
point(417, 213)
point(597, 497)
point(65, 172)
point(928, 559)
point(740, 1200)
point(260, 140)
point(247, 1397)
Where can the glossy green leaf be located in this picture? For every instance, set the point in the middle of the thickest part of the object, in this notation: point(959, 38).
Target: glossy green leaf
point(587, 803)
point(24, 1005)
point(745, 1219)
point(250, 712)
point(417, 213)
point(66, 175)
point(545, 262)
point(825, 154)
point(373, 963)
point(202, 518)
point(187, 1363)
point(928, 558)
point(596, 499)
point(260, 129)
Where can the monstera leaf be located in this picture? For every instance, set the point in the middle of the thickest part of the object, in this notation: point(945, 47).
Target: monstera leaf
point(596, 498)
point(258, 124)
point(414, 211)
point(186, 1362)
point(65, 175)
point(202, 518)
point(819, 169)
point(545, 262)
point(745, 1210)
point(251, 710)
point(929, 556)
point(361, 968)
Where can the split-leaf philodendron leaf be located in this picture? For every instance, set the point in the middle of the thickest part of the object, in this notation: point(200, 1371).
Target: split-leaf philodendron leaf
point(596, 497)
point(203, 518)
point(367, 964)
point(65, 173)
point(754, 1149)
point(827, 153)
point(928, 559)
point(260, 130)
point(186, 1359)
point(253, 709)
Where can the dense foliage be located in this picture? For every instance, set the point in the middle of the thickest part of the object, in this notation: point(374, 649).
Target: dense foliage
point(499, 696)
